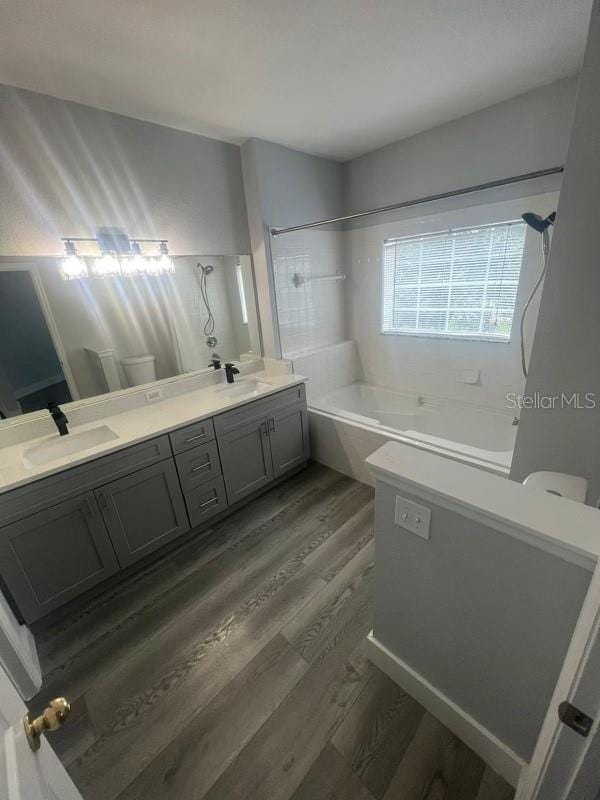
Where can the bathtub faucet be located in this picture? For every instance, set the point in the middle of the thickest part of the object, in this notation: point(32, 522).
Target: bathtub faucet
point(515, 421)
point(420, 400)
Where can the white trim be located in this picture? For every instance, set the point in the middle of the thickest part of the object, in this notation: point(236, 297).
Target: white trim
point(54, 332)
point(494, 752)
point(18, 654)
point(553, 524)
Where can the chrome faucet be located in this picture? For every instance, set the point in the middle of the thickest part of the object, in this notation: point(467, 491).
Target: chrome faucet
point(58, 417)
point(230, 371)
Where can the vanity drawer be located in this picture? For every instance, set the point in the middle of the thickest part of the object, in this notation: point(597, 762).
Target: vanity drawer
point(206, 501)
point(192, 436)
point(230, 420)
point(198, 466)
point(33, 497)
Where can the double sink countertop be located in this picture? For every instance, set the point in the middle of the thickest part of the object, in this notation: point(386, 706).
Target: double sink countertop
point(17, 462)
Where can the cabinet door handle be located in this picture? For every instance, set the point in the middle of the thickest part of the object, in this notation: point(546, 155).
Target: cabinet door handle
point(102, 500)
point(195, 438)
point(263, 428)
point(271, 423)
point(206, 465)
point(209, 502)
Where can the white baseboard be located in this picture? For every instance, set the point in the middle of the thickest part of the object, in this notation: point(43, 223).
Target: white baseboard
point(494, 752)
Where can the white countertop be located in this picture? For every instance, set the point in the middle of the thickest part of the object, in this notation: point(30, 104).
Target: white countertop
point(563, 527)
point(137, 425)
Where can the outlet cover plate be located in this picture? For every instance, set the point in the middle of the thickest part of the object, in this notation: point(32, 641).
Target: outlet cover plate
point(412, 517)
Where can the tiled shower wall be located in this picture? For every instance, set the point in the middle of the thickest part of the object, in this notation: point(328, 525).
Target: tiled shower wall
point(311, 309)
point(327, 369)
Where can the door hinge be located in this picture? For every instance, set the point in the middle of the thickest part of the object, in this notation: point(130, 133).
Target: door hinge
point(574, 718)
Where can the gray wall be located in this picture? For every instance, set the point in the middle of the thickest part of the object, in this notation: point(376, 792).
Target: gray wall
point(527, 133)
point(295, 187)
point(283, 187)
point(485, 618)
point(67, 169)
point(564, 357)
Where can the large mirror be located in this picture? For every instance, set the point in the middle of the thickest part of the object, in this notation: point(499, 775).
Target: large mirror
point(65, 340)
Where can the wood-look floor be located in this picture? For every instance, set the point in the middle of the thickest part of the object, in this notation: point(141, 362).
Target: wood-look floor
point(234, 668)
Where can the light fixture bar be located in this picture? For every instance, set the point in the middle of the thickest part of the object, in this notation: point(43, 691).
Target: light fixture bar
point(120, 255)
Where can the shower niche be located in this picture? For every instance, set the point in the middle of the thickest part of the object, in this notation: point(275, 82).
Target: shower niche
point(66, 340)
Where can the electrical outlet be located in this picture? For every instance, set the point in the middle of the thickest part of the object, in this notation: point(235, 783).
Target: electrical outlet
point(412, 517)
point(153, 395)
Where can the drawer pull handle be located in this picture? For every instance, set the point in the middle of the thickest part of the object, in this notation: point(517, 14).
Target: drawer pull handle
point(206, 465)
point(195, 438)
point(209, 502)
point(271, 423)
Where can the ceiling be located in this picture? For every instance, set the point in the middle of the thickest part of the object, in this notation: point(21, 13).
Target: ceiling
point(335, 77)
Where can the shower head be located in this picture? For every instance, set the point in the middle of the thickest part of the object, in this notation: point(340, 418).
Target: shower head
point(206, 268)
point(538, 223)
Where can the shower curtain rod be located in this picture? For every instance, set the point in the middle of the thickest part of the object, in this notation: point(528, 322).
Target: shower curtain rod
point(528, 176)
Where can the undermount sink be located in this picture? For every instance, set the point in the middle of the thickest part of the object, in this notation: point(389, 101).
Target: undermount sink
point(57, 447)
point(244, 387)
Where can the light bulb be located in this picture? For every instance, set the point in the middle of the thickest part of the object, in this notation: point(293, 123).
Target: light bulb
point(161, 265)
point(72, 268)
point(106, 266)
point(134, 265)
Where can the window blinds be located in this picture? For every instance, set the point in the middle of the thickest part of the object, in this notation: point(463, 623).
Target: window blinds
point(459, 283)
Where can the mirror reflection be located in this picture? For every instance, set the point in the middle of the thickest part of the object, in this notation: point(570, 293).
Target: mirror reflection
point(63, 339)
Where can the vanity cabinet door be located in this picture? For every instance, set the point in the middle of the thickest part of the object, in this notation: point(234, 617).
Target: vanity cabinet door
point(246, 459)
point(288, 434)
point(53, 556)
point(143, 511)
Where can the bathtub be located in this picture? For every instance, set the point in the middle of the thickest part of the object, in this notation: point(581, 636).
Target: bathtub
point(350, 423)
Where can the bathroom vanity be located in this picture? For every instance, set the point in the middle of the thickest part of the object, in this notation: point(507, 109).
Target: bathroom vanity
point(65, 532)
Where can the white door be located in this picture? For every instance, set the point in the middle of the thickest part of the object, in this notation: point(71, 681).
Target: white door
point(566, 761)
point(24, 774)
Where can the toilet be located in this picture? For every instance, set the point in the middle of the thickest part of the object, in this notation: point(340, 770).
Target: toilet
point(559, 483)
point(139, 369)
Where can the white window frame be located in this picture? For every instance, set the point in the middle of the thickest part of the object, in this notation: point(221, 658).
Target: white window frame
point(476, 337)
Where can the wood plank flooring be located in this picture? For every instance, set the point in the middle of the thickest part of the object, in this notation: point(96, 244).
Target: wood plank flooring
point(234, 668)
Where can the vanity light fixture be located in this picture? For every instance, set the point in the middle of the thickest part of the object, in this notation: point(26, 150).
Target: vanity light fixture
point(163, 265)
point(72, 267)
point(120, 256)
point(107, 266)
point(136, 263)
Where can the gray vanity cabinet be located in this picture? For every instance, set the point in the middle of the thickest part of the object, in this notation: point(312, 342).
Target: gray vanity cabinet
point(143, 511)
point(288, 436)
point(52, 556)
point(246, 459)
point(262, 440)
point(65, 533)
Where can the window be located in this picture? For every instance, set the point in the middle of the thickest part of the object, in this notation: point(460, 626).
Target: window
point(242, 294)
point(457, 284)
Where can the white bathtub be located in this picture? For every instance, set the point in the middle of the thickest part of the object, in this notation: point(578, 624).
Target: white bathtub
point(352, 422)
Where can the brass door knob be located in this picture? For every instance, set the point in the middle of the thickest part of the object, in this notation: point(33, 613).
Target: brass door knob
point(51, 718)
